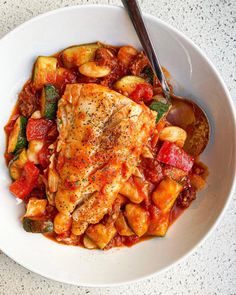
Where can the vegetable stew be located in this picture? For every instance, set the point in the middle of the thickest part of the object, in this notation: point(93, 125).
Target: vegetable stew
point(91, 153)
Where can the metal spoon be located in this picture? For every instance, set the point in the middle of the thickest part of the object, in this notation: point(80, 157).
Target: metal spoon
point(184, 112)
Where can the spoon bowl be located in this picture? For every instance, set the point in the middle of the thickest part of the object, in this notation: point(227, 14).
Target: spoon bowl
point(188, 115)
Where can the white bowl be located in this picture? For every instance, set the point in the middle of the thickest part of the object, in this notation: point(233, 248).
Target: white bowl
point(193, 75)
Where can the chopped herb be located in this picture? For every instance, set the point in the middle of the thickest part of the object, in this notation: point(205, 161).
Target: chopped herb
point(160, 107)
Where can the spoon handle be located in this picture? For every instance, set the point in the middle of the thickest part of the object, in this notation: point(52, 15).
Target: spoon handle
point(135, 15)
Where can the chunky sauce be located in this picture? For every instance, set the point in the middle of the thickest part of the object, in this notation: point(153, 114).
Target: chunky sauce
point(151, 168)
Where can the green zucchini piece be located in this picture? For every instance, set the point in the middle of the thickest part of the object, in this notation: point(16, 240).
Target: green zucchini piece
point(37, 225)
point(45, 71)
point(14, 170)
point(75, 56)
point(161, 108)
point(128, 84)
point(17, 138)
point(17, 163)
point(49, 99)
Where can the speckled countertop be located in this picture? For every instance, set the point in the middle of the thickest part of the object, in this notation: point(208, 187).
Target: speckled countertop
point(211, 269)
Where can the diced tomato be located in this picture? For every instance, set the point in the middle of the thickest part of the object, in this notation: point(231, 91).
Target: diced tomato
point(175, 156)
point(31, 172)
point(25, 184)
point(38, 129)
point(142, 92)
point(44, 155)
point(152, 170)
point(19, 189)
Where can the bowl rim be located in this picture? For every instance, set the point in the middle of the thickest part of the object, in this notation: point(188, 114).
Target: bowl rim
point(230, 101)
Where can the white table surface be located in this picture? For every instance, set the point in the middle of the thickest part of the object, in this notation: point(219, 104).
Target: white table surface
point(211, 269)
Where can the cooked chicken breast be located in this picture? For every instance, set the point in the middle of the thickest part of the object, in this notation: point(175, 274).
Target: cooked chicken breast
point(101, 136)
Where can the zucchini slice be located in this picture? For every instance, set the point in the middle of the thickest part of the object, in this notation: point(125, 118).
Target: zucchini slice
point(17, 138)
point(49, 98)
point(45, 71)
point(37, 225)
point(75, 56)
point(127, 84)
point(17, 163)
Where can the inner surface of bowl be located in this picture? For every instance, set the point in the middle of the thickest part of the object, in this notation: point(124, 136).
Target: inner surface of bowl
point(192, 75)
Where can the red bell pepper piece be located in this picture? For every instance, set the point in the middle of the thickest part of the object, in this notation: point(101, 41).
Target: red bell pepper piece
point(38, 129)
point(142, 92)
point(175, 156)
point(25, 184)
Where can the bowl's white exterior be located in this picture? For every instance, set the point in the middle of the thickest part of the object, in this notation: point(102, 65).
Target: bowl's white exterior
point(193, 75)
